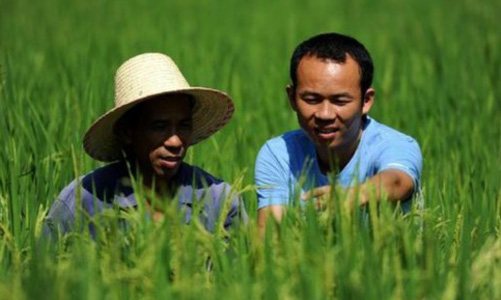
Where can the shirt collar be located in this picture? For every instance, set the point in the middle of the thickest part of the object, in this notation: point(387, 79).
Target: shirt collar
point(126, 197)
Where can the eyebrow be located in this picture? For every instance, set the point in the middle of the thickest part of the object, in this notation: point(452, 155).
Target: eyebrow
point(163, 120)
point(338, 95)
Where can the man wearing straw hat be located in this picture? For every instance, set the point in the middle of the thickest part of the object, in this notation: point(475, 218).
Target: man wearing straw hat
point(157, 116)
point(338, 144)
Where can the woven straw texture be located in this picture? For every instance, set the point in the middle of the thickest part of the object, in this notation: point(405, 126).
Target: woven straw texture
point(144, 77)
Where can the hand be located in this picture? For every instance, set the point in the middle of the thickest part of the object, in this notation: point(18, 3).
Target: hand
point(324, 195)
point(321, 197)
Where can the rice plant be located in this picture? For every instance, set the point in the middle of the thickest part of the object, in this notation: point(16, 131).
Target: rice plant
point(436, 78)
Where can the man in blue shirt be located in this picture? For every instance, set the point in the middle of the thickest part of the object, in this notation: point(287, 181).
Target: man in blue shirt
point(157, 116)
point(331, 94)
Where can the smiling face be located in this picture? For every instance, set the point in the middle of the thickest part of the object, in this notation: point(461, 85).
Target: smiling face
point(161, 135)
point(330, 106)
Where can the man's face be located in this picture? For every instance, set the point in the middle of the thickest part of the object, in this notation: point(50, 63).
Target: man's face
point(329, 103)
point(161, 136)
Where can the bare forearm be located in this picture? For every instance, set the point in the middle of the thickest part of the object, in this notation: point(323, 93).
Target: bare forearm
point(263, 215)
point(393, 185)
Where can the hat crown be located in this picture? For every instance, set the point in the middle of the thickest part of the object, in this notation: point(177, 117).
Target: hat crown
point(147, 75)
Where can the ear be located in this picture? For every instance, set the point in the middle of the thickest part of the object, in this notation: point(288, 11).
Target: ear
point(368, 100)
point(291, 95)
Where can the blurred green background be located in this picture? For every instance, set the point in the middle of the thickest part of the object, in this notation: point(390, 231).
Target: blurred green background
point(437, 67)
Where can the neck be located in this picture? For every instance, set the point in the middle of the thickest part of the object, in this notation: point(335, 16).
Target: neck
point(334, 160)
point(163, 186)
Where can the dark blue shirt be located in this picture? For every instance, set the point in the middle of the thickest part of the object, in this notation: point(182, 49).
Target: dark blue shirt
point(109, 186)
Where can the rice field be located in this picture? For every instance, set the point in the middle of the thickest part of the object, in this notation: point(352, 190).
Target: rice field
point(437, 69)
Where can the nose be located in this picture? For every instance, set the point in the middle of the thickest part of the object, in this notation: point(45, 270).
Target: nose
point(326, 111)
point(173, 143)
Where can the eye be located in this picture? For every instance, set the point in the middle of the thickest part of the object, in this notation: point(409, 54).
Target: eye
point(159, 125)
point(341, 102)
point(311, 99)
point(185, 124)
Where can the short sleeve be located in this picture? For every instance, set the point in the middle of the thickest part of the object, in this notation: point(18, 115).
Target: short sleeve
point(271, 179)
point(404, 155)
point(61, 218)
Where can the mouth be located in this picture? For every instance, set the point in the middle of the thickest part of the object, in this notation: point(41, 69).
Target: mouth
point(327, 133)
point(170, 162)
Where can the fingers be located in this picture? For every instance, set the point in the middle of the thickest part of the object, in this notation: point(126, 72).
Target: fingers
point(323, 191)
point(319, 196)
point(319, 204)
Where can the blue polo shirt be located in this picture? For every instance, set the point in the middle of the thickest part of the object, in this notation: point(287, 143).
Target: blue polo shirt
point(283, 160)
point(109, 186)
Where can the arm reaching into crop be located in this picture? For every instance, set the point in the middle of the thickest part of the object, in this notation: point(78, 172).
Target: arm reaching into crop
point(391, 184)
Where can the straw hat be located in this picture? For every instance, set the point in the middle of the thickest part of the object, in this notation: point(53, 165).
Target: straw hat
point(142, 78)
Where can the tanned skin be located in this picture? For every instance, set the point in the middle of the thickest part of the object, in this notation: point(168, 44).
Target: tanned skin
point(330, 108)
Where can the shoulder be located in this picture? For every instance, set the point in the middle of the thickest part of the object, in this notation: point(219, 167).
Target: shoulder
point(66, 198)
point(198, 178)
point(291, 138)
point(101, 182)
point(391, 149)
point(104, 182)
point(105, 176)
point(282, 146)
point(379, 135)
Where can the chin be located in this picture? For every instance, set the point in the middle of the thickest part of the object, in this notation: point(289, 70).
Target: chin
point(160, 172)
point(170, 172)
point(329, 145)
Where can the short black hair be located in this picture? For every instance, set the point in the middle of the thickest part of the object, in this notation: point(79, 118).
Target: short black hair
point(334, 46)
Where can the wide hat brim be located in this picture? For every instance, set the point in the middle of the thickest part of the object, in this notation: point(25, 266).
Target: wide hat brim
point(212, 110)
